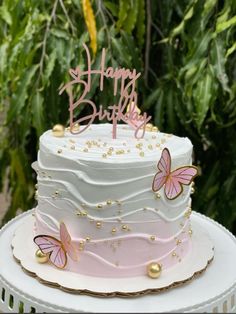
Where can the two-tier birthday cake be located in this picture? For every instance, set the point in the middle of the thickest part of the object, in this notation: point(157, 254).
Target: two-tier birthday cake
point(114, 198)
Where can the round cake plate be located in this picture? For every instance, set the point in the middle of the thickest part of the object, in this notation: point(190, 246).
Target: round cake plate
point(214, 291)
point(193, 264)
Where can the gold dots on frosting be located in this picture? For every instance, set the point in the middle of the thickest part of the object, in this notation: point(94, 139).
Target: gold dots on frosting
point(120, 152)
point(98, 224)
point(104, 155)
point(59, 151)
point(113, 230)
point(125, 228)
point(85, 150)
point(72, 147)
point(141, 154)
point(150, 147)
point(190, 232)
point(152, 238)
point(109, 202)
point(99, 206)
point(157, 196)
point(81, 245)
point(88, 239)
point(174, 254)
point(178, 242)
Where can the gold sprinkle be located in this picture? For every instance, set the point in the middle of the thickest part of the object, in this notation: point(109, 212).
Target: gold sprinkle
point(139, 146)
point(84, 213)
point(98, 225)
point(81, 245)
point(109, 153)
point(163, 141)
point(124, 227)
point(124, 144)
point(150, 147)
point(120, 152)
point(72, 147)
point(83, 205)
point(128, 150)
point(118, 203)
point(173, 254)
point(141, 154)
point(78, 213)
point(190, 232)
point(72, 141)
point(154, 129)
point(85, 150)
point(104, 155)
point(153, 238)
point(109, 202)
point(56, 192)
point(178, 242)
point(157, 145)
point(113, 230)
point(157, 196)
point(87, 239)
point(111, 149)
point(59, 151)
point(36, 186)
point(99, 206)
point(104, 144)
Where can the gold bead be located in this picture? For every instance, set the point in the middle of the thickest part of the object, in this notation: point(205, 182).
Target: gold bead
point(41, 257)
point(124, 227)
point(113, 230)
point(99, 206)
point(72, 147)
point(157, 196)
point(154, 129)
point(98, 225)
point(87, 239)
point(192, 190)
point(109, 202)
point(76, 127)
point(163, 141)
point(111, 149)
point(178, 242)
point(104, 155)
point(153, 238)
point(84, 213)
point(173, 254)
point(190, 232)
point(58, 130)
point(81, 245)
point(141, 154)
point(59, 151)
point(150, 147)
point(149, 127)
point(85, 150)
point(36, 186)
point(154, 270)
point(72, 141)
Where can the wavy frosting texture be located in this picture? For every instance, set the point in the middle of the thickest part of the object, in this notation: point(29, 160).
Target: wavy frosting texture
point(101, 188)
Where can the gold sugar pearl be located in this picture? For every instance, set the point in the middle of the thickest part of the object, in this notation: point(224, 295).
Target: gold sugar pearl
point(111, 149)
point(163, 141)
point(128, 150)
point(109, 153)
point(99, 206)
point(72, 141)
point(154, 129)
point(152, 238)
point(154, 270)
point(157, 145)
point(178, 242)
point(59, 151)
point(173, 254)
point(58, 130)
point(36, 186)
point(109, 202)
point(88, 239)
point(149, 127)
point(120, 152)
point(124, 227)
point(41, 257)
point(83, 205)
point(76, 127)
point(113, 230)
point(81, 245)
point(150, 147)
point(84, 213)
point(141, 154)
point(157, 196)
point(98, 225)
point(104, 155)
point(192, 190)
point(85, 150)
point(190, 232)
point(72, 147)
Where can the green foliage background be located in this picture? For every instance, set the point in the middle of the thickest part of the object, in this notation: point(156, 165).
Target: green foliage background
point(185, 50)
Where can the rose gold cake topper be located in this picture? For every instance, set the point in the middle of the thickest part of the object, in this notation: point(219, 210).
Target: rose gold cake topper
point(124, 84)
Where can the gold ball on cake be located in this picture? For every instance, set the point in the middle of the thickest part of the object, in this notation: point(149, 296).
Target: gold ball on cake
point(154, 270)
point(41, 257)
point(58, 130)
point(76, 127)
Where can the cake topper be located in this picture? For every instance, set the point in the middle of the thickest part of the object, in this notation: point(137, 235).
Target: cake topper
point(124, 86)
point(173, 180)
point(56, 249)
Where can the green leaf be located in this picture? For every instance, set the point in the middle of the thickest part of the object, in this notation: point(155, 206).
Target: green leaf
point(141, 22)
point(230, 50)
point(38, 119)
point(222, 26)
point(50, 63)
point(5, 14)
point(123, 11)
point(113, 7)
point(203, 96)
point(131, 17)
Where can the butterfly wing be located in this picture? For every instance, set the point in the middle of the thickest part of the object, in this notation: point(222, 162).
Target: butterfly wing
point(164, 166)
point(178, 178)
point(67, 243)
point(50, 245)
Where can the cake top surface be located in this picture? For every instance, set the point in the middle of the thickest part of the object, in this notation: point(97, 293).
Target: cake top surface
point(97, 144)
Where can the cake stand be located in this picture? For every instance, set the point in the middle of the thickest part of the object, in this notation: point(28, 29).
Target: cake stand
point(213, 291)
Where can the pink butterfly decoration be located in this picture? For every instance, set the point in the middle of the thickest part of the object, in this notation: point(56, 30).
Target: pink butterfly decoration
point(56, 249)
point(174, 180)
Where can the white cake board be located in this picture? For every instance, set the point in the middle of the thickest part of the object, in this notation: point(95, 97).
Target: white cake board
point(194, 263)
point(214, 290)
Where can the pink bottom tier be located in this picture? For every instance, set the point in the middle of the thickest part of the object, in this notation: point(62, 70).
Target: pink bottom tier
point(125, 256)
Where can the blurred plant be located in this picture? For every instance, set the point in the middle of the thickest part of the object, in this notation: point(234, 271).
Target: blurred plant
point(185, 50)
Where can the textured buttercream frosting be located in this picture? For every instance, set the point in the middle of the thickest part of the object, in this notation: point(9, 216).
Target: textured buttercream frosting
point(101, 188)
